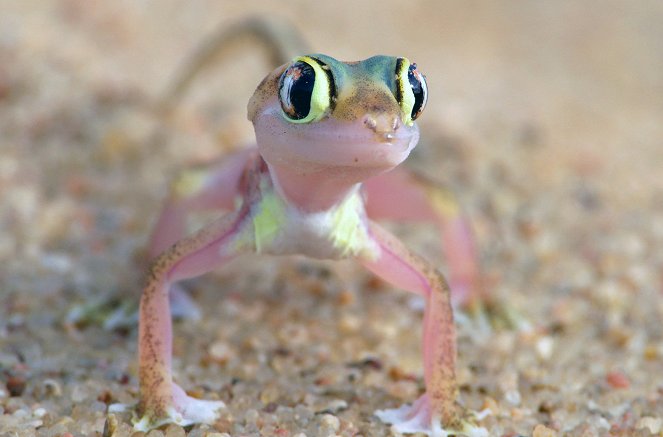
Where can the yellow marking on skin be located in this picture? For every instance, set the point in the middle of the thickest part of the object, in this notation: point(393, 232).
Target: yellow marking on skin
point(188, 183)
point(348, 233)
point(268, 221)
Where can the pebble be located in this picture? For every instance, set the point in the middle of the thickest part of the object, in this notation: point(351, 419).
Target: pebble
point(221, 352)
point(336, 405)
point(270, 394)
point(346, 298)
point(174, 431)
point(651, 352)
point(617, 380)
point(349, 323)
point(331, 422)
point(544, 348)
point(654, 424)
point(16, 385)
point(543, 431)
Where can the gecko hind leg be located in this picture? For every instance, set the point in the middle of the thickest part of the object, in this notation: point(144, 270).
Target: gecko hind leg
point(404, 196)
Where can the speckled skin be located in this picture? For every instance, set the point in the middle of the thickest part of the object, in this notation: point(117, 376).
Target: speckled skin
point(313, 167)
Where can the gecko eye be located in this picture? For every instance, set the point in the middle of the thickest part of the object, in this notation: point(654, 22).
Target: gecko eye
point(411, 90)
point(305, 90)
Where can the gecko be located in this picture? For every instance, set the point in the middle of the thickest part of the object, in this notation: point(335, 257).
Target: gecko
point(330, 137)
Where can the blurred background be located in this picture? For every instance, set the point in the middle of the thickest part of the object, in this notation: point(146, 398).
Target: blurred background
point(546, 118)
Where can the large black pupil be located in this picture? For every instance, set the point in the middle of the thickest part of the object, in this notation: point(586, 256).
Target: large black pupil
point(418, 91)
point(303, 80)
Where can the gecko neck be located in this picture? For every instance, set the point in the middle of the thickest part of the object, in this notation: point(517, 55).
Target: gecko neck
point(313, 191)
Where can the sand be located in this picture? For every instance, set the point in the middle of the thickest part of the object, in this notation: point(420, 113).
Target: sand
point(545, 118)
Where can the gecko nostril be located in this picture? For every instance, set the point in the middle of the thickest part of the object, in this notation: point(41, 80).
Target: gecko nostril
point(370, 123)
point(382, 124)
point(395, 123)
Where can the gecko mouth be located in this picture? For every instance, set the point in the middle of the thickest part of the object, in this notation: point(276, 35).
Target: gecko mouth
point(381, 141)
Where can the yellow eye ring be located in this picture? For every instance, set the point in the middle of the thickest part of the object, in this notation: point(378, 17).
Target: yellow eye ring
point(305, 90)
point(411, 90)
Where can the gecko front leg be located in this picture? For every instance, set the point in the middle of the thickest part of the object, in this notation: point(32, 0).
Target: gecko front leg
point(163, 401)
point(436, 412)
point(213, 187)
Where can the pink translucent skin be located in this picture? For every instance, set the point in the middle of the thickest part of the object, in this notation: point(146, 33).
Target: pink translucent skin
point(312, 169)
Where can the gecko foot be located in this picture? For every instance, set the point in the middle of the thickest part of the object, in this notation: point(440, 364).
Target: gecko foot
point(184, 411)
point(418, 418)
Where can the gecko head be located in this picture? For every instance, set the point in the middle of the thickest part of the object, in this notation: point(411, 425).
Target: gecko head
point(318, 113)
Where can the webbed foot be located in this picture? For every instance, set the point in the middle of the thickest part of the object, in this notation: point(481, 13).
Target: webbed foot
point(184, 410)
point(419, 418)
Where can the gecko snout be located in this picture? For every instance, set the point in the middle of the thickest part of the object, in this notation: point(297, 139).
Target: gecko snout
point(384, 125)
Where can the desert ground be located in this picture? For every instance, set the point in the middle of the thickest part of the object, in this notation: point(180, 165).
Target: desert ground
point(544, 118)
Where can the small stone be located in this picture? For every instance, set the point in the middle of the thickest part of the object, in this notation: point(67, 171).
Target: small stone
point(617, 380)
point(155, 433)
point(543, 431)
point(654, 424)
point(331, 422)
point(544, 348)
point(220, 352)
point(349, 324)
point(269, 394)
point(217, 434)
point(346, 297)
point(16, 385)
point(335, 406)
point(490, 404)
point(598, 422)
point(513, 397)
point(651, 352)
point(174, 431)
